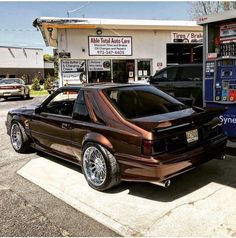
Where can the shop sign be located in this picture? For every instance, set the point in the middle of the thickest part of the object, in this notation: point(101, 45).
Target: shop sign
point(110, 45)
point(186, 37)
point(228, 31)
point(211, 56)
point(73, 70)
point(64, 54)
point(99, 65)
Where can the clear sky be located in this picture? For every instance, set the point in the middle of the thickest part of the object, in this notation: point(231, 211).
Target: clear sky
point(16, 17)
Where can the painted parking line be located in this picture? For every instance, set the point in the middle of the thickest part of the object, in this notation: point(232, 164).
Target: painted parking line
point(144, 209)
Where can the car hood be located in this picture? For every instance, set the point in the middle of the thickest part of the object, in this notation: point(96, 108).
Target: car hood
point(26, 109)
point(176, 119)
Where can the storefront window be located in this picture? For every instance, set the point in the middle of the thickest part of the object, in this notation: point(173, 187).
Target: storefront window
point(143, 69)
point(99, 71)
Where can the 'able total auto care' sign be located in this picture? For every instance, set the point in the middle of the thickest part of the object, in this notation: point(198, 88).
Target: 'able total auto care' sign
point(110, 45)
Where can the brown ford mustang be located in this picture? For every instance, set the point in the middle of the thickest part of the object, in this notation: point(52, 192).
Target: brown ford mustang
point(119, 132)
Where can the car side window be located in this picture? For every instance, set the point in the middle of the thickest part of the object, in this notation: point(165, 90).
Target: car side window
point(166, 75)
point(191, 73)
point(81, 112)
point(62, 103)
point(22, 82)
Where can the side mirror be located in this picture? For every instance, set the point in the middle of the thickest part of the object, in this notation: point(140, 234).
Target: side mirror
point(38, 109)
point(150, 79)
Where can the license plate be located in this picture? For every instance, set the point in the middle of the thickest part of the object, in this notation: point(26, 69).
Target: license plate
point(192, 136)
point(6, 94)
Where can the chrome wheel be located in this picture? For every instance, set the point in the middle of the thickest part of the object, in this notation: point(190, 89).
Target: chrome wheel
point(94, 166)
point(16, 137)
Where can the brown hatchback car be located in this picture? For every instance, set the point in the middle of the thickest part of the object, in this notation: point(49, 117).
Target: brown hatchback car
point(119, 132)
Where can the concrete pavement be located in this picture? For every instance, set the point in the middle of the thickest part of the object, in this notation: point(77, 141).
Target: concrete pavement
point(199, 203)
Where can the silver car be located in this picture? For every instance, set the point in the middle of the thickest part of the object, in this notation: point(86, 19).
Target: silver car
point(14, 87)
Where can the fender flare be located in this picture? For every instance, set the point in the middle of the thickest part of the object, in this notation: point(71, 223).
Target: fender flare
point(16, 118)
point(97, 138)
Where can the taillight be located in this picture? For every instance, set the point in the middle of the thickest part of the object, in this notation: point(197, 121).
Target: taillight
point(152, 147)
point(147, 147)
point(18, 87)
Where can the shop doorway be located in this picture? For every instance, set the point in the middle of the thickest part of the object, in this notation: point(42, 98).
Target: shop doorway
point(123, 71)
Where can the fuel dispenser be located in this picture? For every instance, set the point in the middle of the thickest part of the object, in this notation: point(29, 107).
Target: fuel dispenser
point(219, 66)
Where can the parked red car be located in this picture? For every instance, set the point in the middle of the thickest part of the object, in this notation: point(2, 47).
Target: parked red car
point(119, 132)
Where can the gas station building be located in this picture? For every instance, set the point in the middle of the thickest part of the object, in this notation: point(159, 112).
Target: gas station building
point(119, 50)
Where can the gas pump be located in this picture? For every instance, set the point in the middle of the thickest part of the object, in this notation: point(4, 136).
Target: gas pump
point(219, 66)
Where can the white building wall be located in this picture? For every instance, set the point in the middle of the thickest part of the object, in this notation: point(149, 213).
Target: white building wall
point(11, 57)
point(147, 44)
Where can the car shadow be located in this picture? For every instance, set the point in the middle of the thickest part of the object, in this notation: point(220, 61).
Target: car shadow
point(15, 99)
point(214, 171)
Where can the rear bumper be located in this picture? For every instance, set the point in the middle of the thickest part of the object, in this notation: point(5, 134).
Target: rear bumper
point(168, 165)
point(12, 93)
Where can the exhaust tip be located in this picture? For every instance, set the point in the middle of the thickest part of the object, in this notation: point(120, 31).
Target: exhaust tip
point(167, 183)
point(222, 157)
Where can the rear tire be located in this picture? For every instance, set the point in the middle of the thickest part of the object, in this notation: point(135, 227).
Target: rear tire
point(19, 139)
point(99, 167)
point(28, 95)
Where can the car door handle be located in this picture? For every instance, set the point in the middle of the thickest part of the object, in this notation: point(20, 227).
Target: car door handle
point(65, 126)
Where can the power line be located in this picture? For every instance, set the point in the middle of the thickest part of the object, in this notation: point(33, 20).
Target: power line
point(18, 29)
point(77, 9)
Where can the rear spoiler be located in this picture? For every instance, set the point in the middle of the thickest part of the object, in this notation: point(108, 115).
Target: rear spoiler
point(197, 119)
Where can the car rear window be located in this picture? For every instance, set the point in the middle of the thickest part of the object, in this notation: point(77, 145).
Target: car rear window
point(142, 101)
point(10, 81)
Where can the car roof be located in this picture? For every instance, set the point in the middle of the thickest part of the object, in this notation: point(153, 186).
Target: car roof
point(100, 86)
point(184, 65)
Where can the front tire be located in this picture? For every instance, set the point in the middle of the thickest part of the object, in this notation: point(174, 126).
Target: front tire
point(99, 167)
point(19, 139)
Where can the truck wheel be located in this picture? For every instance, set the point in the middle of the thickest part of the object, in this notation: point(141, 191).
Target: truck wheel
point(99, 167)
point(19, 139)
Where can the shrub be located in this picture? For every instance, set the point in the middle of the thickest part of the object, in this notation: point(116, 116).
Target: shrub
point(36, 85)
point(48, 82)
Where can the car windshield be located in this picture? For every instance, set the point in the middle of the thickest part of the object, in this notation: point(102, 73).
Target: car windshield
point(142, 101)
point(10, 81)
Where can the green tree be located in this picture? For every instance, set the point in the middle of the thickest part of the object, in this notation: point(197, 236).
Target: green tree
point(200, 8)
point(48, 57)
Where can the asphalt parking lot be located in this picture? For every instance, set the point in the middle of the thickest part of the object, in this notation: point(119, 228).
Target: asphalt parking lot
point(42, 196)
point(25, 208)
